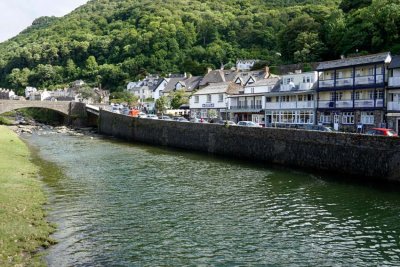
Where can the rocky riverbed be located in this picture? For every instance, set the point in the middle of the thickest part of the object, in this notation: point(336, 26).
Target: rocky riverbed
point(29, 126)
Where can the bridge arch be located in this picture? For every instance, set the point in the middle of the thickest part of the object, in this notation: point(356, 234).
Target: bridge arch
point(62, 107)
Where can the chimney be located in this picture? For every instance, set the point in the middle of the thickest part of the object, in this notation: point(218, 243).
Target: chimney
point(297, 71)
point(184, 75)
point(342, 57)
point(209, 70)
point(267, 74)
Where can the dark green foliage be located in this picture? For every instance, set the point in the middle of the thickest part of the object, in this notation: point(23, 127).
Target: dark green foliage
point(349, 5)
point(108, 43)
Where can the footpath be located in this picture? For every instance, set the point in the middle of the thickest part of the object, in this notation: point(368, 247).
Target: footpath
point(24, 230)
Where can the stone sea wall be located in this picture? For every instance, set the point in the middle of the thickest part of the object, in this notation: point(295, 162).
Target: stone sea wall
point(350, 154)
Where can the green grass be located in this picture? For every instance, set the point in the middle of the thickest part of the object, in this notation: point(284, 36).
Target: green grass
point(5, 121)
point(23, 226)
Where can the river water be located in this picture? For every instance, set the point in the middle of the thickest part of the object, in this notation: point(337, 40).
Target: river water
point(119, 204)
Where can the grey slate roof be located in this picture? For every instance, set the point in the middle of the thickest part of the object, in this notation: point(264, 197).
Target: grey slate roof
point(189, 84)
point(395, 63)
point(218, 76)
point(354, 61)
point(216, 88)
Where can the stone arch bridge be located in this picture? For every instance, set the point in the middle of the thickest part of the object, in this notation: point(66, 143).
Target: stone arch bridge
point(76, 112)
point(63, 107)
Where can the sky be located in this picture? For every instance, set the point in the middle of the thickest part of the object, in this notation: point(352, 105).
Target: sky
point(17, 15)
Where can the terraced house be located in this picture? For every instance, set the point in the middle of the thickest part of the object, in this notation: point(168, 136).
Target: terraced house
point(351, 92)
point(249, 103)
point(393, 94)
point(292, 102)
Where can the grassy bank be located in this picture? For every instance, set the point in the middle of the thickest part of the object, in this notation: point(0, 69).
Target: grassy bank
point(23, 227)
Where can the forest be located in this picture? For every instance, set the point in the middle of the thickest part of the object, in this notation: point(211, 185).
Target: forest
point(110, 42)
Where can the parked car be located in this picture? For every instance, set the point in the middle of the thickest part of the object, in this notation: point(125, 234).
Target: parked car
point(152, 116)
point(224, 122)
point(165, 118)
point(180, 119)
point(321, 128)
point(125, 111)
point(197, 120)
point(115, 109)
point(248, 124)
point(382, 131)
point(142, 115)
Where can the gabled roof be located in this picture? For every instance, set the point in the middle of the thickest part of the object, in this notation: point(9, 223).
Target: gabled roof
point(189, 84)
point(219, 88)
point(354, 61)
point(395, 63)
point(272, 81)
point(218, 76)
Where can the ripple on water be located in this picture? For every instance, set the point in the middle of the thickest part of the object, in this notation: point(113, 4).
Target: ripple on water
point(134, 205)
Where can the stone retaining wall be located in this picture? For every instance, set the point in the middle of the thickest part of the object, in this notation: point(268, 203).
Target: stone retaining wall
point(352, 154)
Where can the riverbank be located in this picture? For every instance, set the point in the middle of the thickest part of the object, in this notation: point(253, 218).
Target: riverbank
point(24, 229)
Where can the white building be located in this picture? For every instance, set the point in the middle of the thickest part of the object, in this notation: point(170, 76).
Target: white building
point(248, 104)
point(293, 101)
point(212, 101)
point(245, 65)
point(29, 90)
point(143, 89)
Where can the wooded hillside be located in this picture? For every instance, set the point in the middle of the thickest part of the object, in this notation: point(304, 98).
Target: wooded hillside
point(110, 42)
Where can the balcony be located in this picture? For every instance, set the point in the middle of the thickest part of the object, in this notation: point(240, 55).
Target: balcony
point(248, 108)
point(358, 81)
point(393, 106)
point(394, 81)
point(290, 105)
point(344, 104)
point(305, 104)
point(366, 80)
point(306, 86)
point(326, 83)
point(344, 82)
point(361, 103)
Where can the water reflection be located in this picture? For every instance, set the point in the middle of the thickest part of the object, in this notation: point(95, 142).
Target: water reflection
point(135, 205)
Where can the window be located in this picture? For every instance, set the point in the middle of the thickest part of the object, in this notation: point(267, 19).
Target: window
point(204, 113)
point(268, 99)
point(367, 117)
point(357, 95)
point(379, 94)
point(348, 118)
point(208, 98)
point(300, 98)
point(306, 79)
point(325, 118)
point(293, 117)
point(339, 75)
point(371, 71)
point(336, 96)
point(196, 99)
point(220, 98)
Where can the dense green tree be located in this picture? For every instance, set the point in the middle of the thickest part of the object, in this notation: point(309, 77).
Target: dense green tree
point(162, 104)
point(108, 42)
point(349, 5)
point(178, 98)
point(19, 78)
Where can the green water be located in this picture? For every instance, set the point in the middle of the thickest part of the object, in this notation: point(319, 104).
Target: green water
point(119, 204)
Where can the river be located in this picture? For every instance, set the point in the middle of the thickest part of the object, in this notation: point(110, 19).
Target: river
point(120, 204)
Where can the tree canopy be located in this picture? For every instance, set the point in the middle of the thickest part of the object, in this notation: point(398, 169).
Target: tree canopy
point(108, 43)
